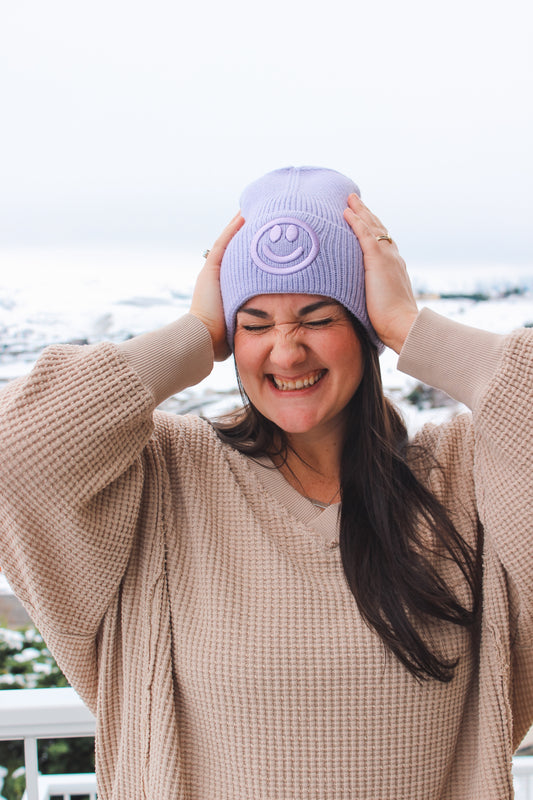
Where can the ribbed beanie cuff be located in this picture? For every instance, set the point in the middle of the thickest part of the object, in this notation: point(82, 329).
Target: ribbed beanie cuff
point(295, 241)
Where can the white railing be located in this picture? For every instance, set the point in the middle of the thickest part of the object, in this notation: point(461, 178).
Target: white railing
point(32, 714)
point(523, 777)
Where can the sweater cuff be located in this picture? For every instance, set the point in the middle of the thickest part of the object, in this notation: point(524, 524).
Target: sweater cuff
point(171, 358)
point(450, 356)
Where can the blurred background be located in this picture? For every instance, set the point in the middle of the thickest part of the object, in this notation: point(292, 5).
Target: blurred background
point(137, 124)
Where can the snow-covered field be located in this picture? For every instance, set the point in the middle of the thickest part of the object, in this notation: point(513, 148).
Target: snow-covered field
point(87, 295)
point(49, 296)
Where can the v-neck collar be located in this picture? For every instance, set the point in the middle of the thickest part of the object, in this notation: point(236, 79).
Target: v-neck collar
point(323, 521)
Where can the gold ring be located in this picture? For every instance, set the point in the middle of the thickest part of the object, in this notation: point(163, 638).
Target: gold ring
point(206, 253)
point(384, 238)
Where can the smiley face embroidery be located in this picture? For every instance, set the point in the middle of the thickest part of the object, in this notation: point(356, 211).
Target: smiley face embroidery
point(284, 245)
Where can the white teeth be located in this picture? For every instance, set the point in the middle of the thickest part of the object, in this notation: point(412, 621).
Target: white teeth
point(300, 383)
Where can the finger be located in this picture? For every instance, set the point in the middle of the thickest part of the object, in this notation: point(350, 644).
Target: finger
point(219, 247)
point(361, 228)
point(356, 204)
point(367, 236)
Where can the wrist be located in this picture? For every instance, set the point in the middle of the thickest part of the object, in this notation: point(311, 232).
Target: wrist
point(217, 332)
point(396, 338)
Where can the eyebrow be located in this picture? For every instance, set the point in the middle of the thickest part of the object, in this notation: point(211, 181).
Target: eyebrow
point(257, 312)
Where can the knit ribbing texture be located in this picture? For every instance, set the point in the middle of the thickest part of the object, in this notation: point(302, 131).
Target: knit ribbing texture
point(295, 241)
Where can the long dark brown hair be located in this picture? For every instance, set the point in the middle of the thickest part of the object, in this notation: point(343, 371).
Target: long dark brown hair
point(391, 567)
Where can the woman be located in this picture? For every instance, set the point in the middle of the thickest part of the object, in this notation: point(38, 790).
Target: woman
point(237, 636)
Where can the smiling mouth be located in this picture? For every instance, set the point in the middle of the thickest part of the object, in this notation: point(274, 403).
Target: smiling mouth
point(285, 385)
point(283, 259)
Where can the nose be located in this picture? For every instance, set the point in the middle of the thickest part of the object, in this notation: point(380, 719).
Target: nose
point(287, 349)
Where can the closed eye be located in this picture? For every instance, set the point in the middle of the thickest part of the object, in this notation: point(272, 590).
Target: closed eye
point(312, 323)
point(318, 323)
point(256, 328)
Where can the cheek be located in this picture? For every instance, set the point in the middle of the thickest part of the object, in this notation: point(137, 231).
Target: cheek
point(348, 358)
point(248, 359)
point(347, 352)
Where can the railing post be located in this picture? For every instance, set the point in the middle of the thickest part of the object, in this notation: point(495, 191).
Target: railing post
point(32, 768)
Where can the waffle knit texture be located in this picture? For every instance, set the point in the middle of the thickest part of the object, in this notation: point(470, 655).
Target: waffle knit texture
point(295, 240)
point(204, 616)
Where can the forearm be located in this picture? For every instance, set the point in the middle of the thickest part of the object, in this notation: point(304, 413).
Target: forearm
point(172, 358)
point(456, 358)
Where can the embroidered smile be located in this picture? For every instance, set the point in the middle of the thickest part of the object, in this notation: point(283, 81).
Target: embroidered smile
point(284, 259)
point(286, 385)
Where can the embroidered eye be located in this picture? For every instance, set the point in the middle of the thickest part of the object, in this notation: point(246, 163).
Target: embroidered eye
point(275, 234)
point(291, 234)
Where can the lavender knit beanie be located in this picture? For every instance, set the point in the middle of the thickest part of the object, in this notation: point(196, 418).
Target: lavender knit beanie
point(295, 241)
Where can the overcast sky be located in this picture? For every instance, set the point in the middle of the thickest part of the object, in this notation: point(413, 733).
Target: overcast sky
point(139, 123)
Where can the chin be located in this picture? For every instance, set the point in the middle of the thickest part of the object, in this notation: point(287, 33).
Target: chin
point(298, 426)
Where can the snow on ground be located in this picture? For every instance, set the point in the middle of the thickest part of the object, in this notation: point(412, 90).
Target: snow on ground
point(58, 295)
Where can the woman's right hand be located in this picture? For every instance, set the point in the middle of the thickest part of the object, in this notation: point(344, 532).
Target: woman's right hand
point(206, 302)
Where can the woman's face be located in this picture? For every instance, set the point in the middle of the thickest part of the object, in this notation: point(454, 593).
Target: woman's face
point(299, 360)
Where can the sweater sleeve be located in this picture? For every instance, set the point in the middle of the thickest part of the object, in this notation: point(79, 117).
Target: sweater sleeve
point(490, 459)
point(493, 375)
point(72, 436)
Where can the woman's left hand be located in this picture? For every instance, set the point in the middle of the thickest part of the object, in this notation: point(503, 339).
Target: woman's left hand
point(390, 301)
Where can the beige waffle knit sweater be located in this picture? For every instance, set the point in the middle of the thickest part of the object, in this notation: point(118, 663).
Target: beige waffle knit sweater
point(198, 604)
